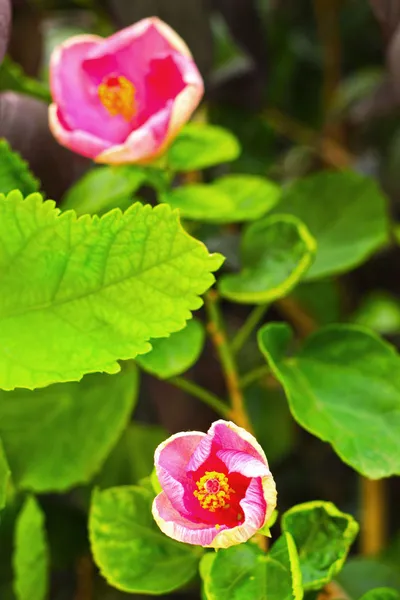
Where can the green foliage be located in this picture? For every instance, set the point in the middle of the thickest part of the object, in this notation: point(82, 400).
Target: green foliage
point(381, 594)
point(176, 354)
point(93, 290)
point(276, 252)
point(199, 146)
point(343, 380)
point(231, 199)
point(72, 428)
point(273, 423)
point(30, 558)
point(132, 459)
point(4, 477)
point(14, 172)
point(360, 575)
point(323, 536)
point(379, 311)
point(345, 212)
point(244, 571)
point(131, 552)
point(13, 78)
point(104, 188)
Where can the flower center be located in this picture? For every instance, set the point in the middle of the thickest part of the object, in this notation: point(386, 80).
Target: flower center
point(117, 95)
point(213, 491)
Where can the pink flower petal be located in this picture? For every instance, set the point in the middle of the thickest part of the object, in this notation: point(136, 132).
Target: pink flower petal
point(243, 463)
point(254, 508)
point(142, 145)
point(147, 37)
point(231, 437)
point(180, 528)
point(171, 458)
point(77, 140)
point(152, 139)
point(76, 96)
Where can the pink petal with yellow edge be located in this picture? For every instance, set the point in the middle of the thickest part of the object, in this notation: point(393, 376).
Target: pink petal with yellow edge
point(254, 509)
point(270, 496)
point(180, 528)
point(142, 145)
point(77, 140)
point(171, 458)
point(149, 37)
point(231, 437)
point(244, 463)
point(76, 94)
point(151, 140)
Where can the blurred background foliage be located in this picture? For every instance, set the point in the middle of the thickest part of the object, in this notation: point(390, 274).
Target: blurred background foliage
point(304, 85)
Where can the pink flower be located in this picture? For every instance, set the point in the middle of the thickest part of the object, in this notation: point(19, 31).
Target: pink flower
point(217, 488)
point(124, 98)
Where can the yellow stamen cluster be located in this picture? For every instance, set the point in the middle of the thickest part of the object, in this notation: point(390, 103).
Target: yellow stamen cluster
point(213, 491)
point(117, 95)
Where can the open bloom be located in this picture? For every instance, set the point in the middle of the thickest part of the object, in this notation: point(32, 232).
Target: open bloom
point(123, 99)
point(217, 488)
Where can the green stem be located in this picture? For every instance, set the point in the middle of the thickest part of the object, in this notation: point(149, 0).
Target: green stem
point(248, 327)
point(201, 394)
point(254, 375)
point(218, 335)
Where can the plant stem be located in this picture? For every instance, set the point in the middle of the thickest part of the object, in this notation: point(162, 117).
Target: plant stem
point(254, 375)
point(218, 335)
point(201, 394)
point(248, 327)
point(331, 151)
point(373, 516)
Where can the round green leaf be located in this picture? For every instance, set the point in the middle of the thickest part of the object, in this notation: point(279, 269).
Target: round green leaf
point(104, 188)
point(323, 536)
point(382, 594)
point(176, 354)
point(30, 560)
point(77, 295)
point(345, 212)
point(244, 571)
point(276, 252)
point(345, 380)
point(131, 552)
point(72, 428)
point(231, 199)
point(200, 145)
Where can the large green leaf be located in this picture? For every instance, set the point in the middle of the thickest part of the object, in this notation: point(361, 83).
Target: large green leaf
point(79, 294)
point(131, 552)
point(4, 477)
point(276, 253)
point(59, 436)
point(199, 146)
point(243, 572)
point(132, 459)
point(344, 387)
point(104, 188)
point(323, 536)
point(30, 558)
point(14, 172)
point(382, 594)
point(175, 354)
point(231, 199)
point(345, 212)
